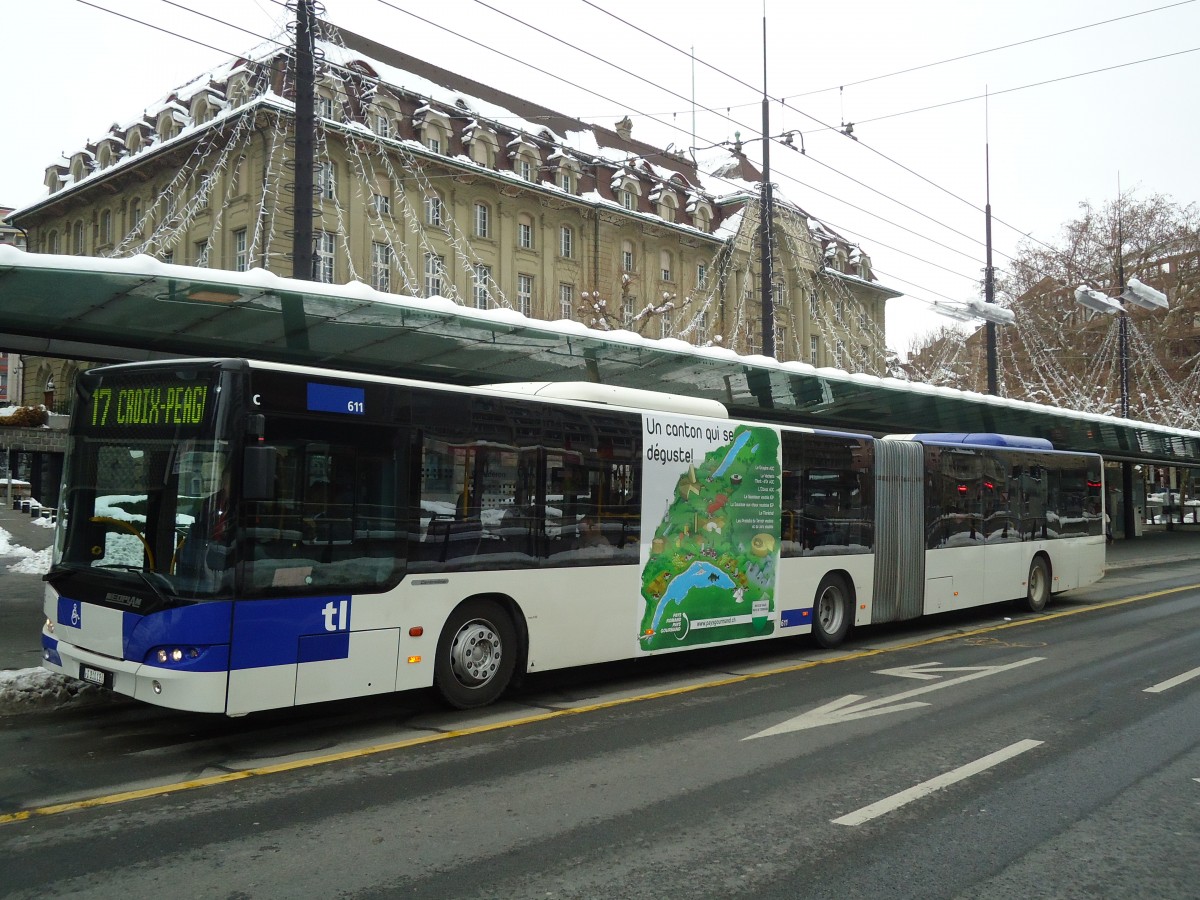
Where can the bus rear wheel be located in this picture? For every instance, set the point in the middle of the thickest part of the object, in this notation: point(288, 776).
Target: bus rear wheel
point(1037, 590)
point(476, 654)
point(831, 611)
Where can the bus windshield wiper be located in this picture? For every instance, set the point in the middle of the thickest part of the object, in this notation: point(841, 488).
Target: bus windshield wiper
point(141, 573)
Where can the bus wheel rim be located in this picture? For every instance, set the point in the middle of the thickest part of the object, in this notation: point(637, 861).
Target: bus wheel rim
point(475, 653)
point(829, 610)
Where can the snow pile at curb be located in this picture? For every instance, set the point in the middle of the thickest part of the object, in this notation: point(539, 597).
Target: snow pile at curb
point(28, 690)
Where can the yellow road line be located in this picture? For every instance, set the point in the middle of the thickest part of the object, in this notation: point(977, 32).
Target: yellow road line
point(312, 761)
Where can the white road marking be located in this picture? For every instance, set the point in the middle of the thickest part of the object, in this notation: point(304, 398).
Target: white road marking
point(927, 671)
point(1172, 682)
point(848, 708)
point(925, 788)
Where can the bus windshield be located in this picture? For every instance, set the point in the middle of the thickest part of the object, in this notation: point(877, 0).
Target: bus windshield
point(148, 497)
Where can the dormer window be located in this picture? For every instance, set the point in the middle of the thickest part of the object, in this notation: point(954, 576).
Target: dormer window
point(525, 169)
point(628, 199)
point(382, 125)
point(324, 106)
point(667, 205)
point(566, 181)
point(433, 129)
point(482, 145)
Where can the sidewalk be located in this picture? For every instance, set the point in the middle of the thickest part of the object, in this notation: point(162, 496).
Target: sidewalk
point(21, 615)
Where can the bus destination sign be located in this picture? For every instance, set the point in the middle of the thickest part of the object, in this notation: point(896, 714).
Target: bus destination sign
point(149, 406)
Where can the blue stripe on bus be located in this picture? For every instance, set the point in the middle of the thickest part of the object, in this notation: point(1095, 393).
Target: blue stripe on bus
point(50, 651)
point(319, 647)
point(268, 632)
point(201, 625)
point(790, 618)
point(245, 634)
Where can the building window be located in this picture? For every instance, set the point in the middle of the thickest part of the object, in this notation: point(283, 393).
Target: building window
point(381, 266)
point(839, 354)
point(135, 215)
point(383, 127)
point(325, 187)
point(862, 320)
point(666, 264)
point(433, 210)
point(628, 199)
point(106, 227)
point(525, 295)
point(525, 233)
point(201, 253)
point(525, 169)
point(781, 341)
point(814, 349)
point(566, 301)
point(325, 107)
point(812, 302)
point(701, 276)
point(701, 326)
point(52, 242)
point(323, 244)
point(168, 256)
point(566, 242)
point(627, 257)
point(839, 312)
point(240, 258)
point(382, 204)
point(627, 315)
point(435, 271)
point(566, 182)
point(482, 286)
point(434, 144)
point(79, 248)
point(482, 220)
point(666, 325)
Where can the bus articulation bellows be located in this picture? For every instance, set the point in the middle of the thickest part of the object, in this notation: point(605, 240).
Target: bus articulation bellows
point(238, 536)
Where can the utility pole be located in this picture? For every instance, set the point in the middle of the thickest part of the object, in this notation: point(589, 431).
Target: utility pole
point(306, 126)
point(989, 281)
point(765, 215)
point(295, 325)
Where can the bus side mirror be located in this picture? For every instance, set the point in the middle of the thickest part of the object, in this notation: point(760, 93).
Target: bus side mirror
point(258, 473)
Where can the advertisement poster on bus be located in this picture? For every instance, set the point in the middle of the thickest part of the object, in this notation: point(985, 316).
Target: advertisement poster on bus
point(710, 513)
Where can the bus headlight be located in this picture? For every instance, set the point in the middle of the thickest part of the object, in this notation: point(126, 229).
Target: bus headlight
point(49, 626)
point(165, 656)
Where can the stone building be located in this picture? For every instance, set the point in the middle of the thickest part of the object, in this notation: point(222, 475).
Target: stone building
point(428, 183)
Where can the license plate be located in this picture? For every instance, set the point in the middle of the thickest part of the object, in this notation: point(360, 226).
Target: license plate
point(93, 675)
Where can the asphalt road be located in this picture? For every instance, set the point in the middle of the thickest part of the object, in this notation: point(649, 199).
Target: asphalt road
point(1053, 756)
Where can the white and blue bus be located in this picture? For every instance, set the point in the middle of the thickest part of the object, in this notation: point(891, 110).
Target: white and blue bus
point(239, 536)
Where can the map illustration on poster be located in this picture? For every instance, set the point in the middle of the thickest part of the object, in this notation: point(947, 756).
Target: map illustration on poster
point(711, 492)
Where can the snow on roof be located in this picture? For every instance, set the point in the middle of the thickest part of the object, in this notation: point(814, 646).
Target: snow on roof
point(262, 280)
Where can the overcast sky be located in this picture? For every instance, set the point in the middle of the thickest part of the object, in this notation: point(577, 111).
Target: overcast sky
point(910, 190)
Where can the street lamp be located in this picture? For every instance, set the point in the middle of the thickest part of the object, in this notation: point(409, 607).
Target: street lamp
point(1144, 297)
point(1136, 293)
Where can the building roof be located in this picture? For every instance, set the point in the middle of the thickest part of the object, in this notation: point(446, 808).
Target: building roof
point(139, 308)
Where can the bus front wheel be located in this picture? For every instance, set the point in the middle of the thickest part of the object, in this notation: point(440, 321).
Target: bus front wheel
point(1037, 588)
point(476, 654)
point(831, 611)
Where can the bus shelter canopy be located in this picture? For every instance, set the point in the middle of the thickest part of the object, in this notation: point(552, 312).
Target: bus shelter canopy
point(140, 308)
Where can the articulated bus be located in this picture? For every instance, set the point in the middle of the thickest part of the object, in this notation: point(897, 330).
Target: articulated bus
point(238, 536)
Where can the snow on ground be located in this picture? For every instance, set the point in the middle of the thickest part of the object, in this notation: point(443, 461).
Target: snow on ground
point(26, 690)
point(28, 562)
point(29, 690)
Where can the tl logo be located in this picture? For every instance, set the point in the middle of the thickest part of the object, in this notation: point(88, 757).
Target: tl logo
point(337, 618)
